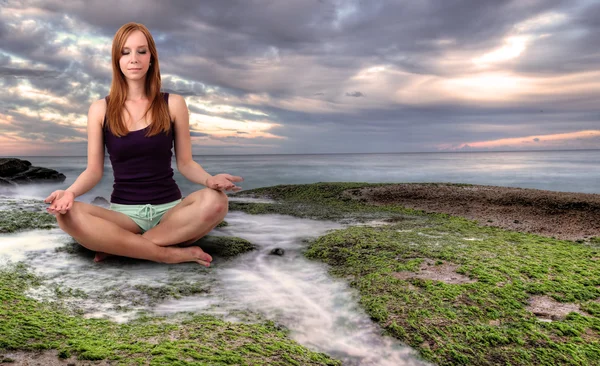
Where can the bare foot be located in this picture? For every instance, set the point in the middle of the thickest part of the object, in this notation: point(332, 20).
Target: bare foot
point(100, 256)
point(195, 254)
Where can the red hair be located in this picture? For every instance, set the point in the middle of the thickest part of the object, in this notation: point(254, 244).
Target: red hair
point(159, 110)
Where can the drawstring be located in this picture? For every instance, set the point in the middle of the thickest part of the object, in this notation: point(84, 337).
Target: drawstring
point(147, 211)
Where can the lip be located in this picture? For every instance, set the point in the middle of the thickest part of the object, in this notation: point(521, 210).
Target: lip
point(134, 69)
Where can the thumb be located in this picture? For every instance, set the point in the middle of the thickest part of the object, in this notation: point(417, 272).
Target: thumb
point(234, 178)
point(50, 198)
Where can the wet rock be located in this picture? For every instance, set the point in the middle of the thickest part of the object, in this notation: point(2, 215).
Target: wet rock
point(17, 171)
point(101, 201)
point(224, 246)
point(12, 166)
point(277, 251)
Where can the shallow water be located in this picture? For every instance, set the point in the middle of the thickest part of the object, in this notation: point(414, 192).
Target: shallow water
point(320, 311)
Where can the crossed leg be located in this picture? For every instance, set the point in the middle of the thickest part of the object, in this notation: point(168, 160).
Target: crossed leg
point(111, 232)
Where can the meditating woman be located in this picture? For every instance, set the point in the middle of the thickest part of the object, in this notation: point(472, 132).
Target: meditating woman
point(139, 126)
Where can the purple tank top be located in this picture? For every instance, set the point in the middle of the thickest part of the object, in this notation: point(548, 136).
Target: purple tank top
point(142, 166)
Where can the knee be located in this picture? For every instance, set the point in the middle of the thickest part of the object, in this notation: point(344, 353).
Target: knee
point(219, 203)
point(67, 220)
point(215, 201)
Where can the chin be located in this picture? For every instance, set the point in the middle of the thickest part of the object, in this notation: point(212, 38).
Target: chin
point(136, 77)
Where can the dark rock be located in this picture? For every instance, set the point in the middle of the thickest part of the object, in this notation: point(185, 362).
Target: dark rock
point(12, 166)
point(277, 251)
point(17, 171)
point(6, 182)
point(100, 201)
point(517, 222)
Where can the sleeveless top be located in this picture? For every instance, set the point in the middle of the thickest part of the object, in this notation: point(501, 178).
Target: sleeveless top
point(142, 166)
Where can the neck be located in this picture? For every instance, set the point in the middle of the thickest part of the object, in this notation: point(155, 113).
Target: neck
point(136, 90)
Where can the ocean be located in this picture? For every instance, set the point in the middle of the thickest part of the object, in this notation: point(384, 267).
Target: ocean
point(568, 171)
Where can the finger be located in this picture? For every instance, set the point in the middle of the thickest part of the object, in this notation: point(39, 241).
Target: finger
point(69, 205)
point(50, 198)
point(234, 178)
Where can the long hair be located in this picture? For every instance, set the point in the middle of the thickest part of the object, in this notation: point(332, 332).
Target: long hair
point(159, 110)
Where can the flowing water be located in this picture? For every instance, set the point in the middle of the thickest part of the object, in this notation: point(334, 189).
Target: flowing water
point(321, 312)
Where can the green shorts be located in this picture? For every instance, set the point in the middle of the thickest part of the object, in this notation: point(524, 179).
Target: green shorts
point(146, 216)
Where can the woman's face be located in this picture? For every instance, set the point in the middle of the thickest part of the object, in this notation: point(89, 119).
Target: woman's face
point(135, 56)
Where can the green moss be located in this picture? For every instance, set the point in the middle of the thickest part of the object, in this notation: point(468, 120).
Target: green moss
point(225, 246)
point(29, 325)
point(17, 220)
point(223, 224)
point(480, 323)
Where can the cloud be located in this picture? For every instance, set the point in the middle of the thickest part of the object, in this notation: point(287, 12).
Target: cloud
point(355, 94)
point(579, 139)
point(294, 75)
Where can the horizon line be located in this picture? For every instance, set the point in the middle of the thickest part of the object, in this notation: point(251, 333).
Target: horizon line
point(343, 153)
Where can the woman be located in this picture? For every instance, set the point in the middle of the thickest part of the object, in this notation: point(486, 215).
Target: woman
point(138, 125)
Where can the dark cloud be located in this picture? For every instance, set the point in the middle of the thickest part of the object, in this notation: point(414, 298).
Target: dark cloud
point(355, 94)
point(27, 73)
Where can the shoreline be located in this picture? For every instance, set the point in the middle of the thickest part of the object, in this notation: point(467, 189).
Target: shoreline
point(560, 215)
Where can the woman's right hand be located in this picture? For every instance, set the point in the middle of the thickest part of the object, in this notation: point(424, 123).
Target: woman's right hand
point(60, 202)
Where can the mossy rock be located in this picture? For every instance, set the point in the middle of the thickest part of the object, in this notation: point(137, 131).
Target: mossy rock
point(19, 220)
point(224, 246)
point(29, 325)
point(223, 224)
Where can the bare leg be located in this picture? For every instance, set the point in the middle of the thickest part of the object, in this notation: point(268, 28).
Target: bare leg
point(120, 219)
point(191, 219)
point(102, 235)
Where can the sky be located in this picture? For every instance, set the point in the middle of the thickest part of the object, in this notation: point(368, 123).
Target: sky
point(322, 76)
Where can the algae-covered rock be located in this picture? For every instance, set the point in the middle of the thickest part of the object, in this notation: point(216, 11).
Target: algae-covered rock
point(30, 326)
point(17, 220)
point(225, 246)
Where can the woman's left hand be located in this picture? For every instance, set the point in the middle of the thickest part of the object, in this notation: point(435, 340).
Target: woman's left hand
point(224, 182)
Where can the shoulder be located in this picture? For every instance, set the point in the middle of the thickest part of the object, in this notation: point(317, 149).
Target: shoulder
point(98, 109)
point(176, 101)
point(177, 106)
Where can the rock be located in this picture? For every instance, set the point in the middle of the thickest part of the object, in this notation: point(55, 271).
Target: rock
point(12, 166)
point(224, 246)
point(17, 171)
point(277, 251)
point(6, 182)
point(100, 201)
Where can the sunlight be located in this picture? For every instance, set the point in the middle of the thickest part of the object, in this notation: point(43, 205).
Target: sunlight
point(219, 126)
point(513, 48)
point(25, 89)
point(526, 141)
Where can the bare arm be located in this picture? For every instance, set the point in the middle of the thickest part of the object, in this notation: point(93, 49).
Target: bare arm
point(95, 152)
point(183, 150)
point(183, 143)
point(61, 201)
